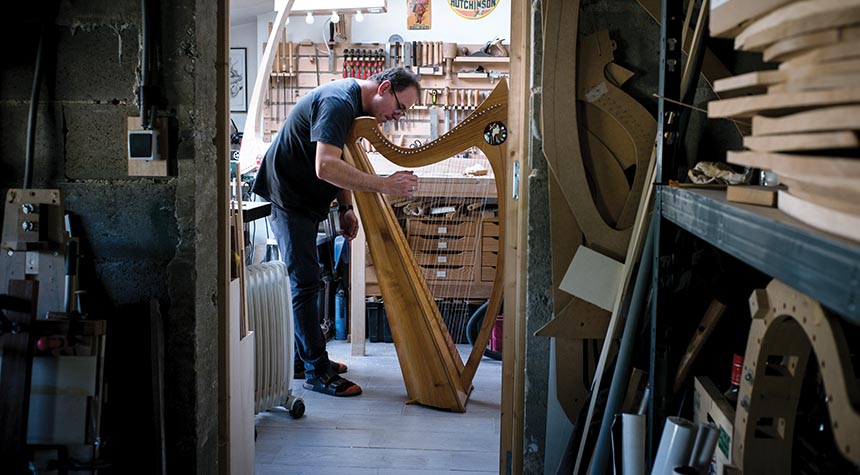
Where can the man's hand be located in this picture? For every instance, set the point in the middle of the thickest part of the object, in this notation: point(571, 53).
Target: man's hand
point(348, 224)
point(402, 183)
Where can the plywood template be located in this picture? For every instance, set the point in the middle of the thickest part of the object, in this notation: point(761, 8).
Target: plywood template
point(781, 102)
point(816, 120)
point(797, 18)
point(752, 82)
point(843, 197)
point(836, 222)
point(802, 142)
point(843, 50)
point(729, 17)
point(815, 169)
point(791, 47)
point(594, 55)
point(789, 327)
point(821, 81)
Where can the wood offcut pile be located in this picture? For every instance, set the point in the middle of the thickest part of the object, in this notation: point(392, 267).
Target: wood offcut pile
point(805, 114)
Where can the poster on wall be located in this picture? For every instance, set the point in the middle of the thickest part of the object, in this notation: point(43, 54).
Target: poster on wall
point(473, 9)
point(418, 12)
point(238, 80)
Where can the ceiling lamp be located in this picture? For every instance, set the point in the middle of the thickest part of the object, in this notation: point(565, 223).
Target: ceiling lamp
point(335, 18)
point(309, 19)
point(358, 16)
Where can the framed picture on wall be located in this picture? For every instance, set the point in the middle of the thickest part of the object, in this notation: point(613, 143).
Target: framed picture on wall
point(238, 80)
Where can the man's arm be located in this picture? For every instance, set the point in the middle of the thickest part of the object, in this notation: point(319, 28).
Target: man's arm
point(332, 169)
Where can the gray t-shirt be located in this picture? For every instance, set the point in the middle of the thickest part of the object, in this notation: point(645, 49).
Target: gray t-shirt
point(287, 176)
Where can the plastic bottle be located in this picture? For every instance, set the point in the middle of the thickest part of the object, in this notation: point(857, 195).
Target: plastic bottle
point(737, 368)
point(340, 315)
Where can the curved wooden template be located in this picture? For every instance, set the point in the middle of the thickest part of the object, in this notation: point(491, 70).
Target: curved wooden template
point(560, 132)
point(790, 324)
point(839, 223)
point(839, 51)
point(795, 19)
point(566, 237)
point(607, 182)
point(603, 125)
point(594, 56)
point(432, 369)
point(792, 46)
point(839, 198)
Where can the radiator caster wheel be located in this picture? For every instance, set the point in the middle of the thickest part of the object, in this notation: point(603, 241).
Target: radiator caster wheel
point(297, 409)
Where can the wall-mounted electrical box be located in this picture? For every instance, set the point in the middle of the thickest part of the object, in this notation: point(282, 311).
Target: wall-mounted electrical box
point(147, 149)
point(33, 220)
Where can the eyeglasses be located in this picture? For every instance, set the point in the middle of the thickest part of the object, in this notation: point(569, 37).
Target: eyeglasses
point(400, 108)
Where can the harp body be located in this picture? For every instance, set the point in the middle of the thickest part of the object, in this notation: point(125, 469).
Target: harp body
point(433, 372)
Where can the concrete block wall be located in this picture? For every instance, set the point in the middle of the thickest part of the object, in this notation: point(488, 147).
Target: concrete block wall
point(147, 237)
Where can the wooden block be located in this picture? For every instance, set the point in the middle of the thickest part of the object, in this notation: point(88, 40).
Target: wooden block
point(830, 118)
point(753, 82)
point(759, 304)
point(803, 141)
point(797, 18)
point(832, 221)
point(729, 17)
point(752, 195)
point(784, 102)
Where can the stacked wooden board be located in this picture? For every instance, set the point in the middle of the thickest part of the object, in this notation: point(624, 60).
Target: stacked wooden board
point(805, 113)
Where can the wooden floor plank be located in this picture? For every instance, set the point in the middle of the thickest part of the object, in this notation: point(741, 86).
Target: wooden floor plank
point(378, 432)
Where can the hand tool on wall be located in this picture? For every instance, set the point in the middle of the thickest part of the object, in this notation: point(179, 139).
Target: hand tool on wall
point(449, 52)
point(434, 115)
point(414, 53)
point(331, 45)
point(345, 62)
point(292, 69)
point(446, 102)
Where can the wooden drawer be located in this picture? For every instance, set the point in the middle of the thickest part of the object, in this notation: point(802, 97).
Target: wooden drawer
point(440, 227)
point(464, 273)
point(453, 259)
point(490, 244)
point(419, 243)
point(490, 228)
point(488, 274)
point(489, 259)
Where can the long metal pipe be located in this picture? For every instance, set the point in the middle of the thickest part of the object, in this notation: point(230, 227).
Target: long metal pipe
point(621, 375)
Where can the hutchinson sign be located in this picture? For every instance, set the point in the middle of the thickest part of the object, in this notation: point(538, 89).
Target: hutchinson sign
point(473, 9)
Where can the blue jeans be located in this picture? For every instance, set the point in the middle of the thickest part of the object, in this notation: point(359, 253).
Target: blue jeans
point(296, 234)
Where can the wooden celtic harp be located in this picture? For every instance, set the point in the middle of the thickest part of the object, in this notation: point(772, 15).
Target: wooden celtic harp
point(433, 371)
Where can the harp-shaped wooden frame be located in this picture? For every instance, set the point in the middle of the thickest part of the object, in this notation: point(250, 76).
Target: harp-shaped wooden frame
point(433, 371)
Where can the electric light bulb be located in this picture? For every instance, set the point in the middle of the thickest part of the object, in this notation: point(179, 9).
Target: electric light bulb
point(358, 16)
point(335, 18)
point(309, 19)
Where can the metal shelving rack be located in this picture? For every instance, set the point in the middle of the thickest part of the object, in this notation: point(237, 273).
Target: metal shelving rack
point(823, 266)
